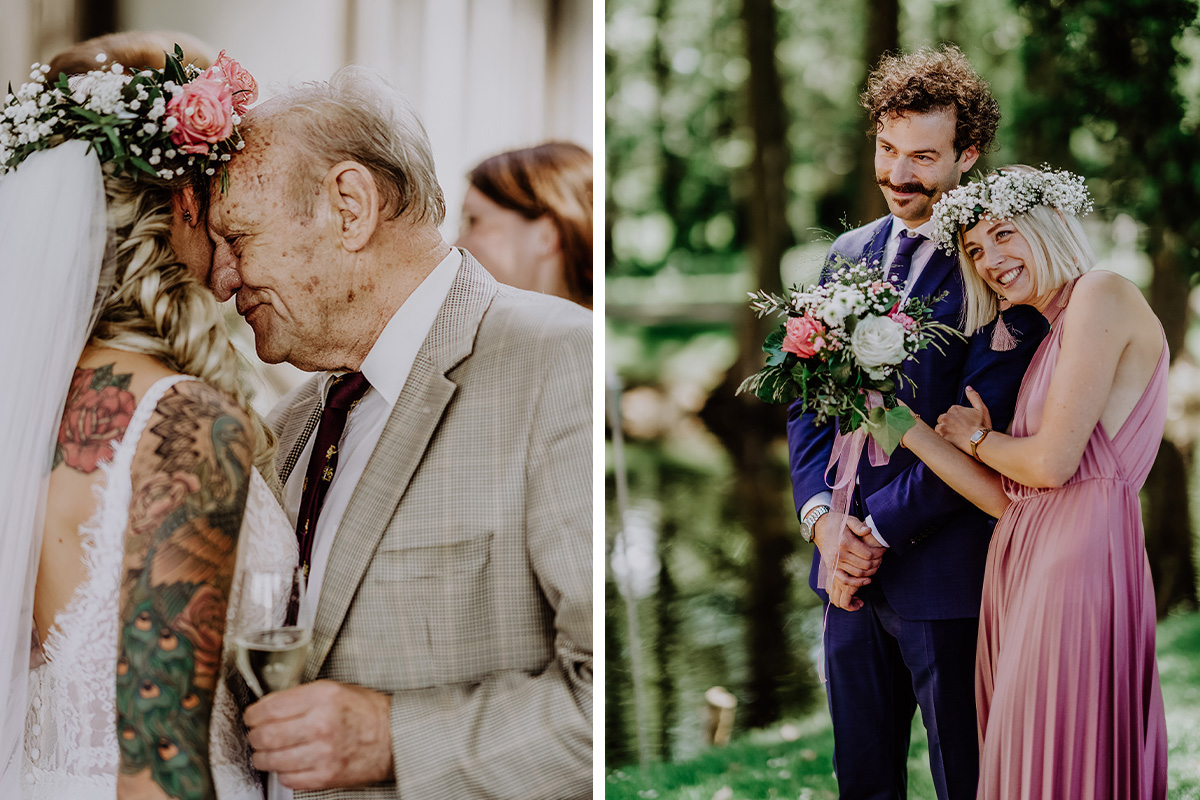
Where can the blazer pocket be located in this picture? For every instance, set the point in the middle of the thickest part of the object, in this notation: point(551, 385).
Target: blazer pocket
point(446, 592)
point(432, 561)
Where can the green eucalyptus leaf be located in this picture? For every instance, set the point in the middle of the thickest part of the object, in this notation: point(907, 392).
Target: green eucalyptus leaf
point(143, 165)
point(841, 372)
point(887, 426)
point(173, 69)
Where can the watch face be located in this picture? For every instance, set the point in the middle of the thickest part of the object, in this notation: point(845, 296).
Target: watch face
point(977, 436)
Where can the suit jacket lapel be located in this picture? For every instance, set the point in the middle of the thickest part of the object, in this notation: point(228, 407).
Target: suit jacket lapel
point(940, 266)
point(878, 243)
point(296, 427)
point(400, 449)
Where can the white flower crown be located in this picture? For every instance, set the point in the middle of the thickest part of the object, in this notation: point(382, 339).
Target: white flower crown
point(159, 123)
point(1003, 195)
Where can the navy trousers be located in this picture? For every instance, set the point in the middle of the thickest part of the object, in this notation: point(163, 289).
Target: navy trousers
point(880, 668)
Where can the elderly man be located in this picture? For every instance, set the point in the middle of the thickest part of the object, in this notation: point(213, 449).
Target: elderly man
point(438, 467)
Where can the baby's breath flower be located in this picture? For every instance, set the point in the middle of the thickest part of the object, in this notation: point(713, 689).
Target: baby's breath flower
point(124, 114)
point(1003, 195)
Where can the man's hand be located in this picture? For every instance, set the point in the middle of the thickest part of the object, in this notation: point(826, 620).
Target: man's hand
point(852, 559)
point(841, 592)
point(323, 735)
point(856, 551)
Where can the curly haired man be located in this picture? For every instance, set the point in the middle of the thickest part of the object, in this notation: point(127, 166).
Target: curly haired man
point(902, 580)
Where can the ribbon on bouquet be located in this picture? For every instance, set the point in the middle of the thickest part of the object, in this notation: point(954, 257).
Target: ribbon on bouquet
point(847, 452)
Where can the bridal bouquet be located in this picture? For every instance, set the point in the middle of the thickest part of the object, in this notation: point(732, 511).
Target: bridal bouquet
point(841, 347)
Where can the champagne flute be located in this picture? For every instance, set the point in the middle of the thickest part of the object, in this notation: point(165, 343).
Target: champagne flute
point(274, 627)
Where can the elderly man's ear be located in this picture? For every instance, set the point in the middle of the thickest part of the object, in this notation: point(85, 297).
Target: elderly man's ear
point(355, 202)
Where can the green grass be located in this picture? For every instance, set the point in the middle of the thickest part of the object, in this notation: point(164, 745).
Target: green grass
point(793, 760)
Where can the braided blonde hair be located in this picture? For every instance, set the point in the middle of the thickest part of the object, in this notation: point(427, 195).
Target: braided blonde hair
point(157, 308)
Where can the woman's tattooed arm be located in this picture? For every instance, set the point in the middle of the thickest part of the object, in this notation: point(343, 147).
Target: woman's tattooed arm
point(190, 479)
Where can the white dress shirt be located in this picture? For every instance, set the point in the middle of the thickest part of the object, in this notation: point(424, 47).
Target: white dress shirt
point(920, 258)
point(386, 368)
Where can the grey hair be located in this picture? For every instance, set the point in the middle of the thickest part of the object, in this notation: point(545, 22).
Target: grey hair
point(1061, 253)
point(358, 116)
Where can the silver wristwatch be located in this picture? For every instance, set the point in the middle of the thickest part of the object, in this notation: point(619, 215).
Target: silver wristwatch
point(810, 521)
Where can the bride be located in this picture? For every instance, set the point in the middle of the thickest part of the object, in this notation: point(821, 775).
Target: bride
point(129, 496)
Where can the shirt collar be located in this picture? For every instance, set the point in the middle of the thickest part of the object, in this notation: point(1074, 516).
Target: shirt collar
point(390, 360)
point(925, 228)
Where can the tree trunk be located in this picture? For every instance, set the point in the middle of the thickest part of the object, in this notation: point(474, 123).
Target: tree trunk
point(619, 741)
point(883, 36)
point(667, 621)
point(673, 167)
point(746, 426)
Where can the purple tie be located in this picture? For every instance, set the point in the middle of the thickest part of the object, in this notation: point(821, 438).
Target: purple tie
point(344, 393)
point(898, 272)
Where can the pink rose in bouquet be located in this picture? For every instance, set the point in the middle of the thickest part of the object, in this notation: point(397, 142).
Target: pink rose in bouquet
point(241, 82)
point(801, 333)
point(203, 112)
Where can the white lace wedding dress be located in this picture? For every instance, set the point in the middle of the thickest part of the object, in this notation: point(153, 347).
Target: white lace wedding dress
point(70, 728)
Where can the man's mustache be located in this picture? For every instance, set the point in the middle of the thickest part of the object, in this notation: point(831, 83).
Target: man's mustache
point(905, 188)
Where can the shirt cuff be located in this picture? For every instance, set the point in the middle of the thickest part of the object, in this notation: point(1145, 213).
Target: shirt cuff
point(818, 499)
point(870, 523)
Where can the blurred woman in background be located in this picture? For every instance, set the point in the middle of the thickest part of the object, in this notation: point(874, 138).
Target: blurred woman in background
point(527, 217)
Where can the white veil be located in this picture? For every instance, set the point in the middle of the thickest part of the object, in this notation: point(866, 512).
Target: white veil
point(52, 249)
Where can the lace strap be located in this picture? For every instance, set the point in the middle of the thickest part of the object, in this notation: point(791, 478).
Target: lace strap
point(118, 490)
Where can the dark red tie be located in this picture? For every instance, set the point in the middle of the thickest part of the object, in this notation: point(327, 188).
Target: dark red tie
point(344, 393)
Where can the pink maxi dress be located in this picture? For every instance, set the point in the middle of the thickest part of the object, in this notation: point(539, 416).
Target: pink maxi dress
point(1066, 680)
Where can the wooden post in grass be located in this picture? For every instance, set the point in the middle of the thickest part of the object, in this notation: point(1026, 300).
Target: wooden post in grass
point(718, 721)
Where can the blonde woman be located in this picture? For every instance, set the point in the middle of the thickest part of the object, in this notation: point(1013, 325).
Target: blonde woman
point(131, 464)
point(1067, 685)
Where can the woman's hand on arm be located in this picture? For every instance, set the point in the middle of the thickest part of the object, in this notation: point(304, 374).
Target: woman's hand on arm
point(1099, 324)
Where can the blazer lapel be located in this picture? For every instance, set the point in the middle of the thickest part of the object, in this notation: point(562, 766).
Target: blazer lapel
point(878, 243)
point(941, 265)
point(294, 426)
point(400, 449)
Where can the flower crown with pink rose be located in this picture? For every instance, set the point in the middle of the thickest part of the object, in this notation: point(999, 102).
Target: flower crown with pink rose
point(161, 123)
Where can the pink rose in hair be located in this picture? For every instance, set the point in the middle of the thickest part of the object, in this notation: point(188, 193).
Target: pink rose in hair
point(241, 82)
point(204, 111)
point(800, 334)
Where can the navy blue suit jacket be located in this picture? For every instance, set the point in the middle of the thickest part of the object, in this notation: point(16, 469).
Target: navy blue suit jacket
point(938, 540)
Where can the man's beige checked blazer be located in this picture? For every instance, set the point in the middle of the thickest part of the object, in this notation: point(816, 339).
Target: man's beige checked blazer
point(460, 580)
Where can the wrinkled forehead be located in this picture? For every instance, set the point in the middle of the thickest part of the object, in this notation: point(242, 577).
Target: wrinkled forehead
point(256, 185)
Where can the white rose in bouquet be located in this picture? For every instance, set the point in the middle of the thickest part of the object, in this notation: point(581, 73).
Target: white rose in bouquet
point(878, 345)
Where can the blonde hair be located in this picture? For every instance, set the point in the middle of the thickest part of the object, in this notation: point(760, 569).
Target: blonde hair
point(1061, 253)
point(157, 308)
